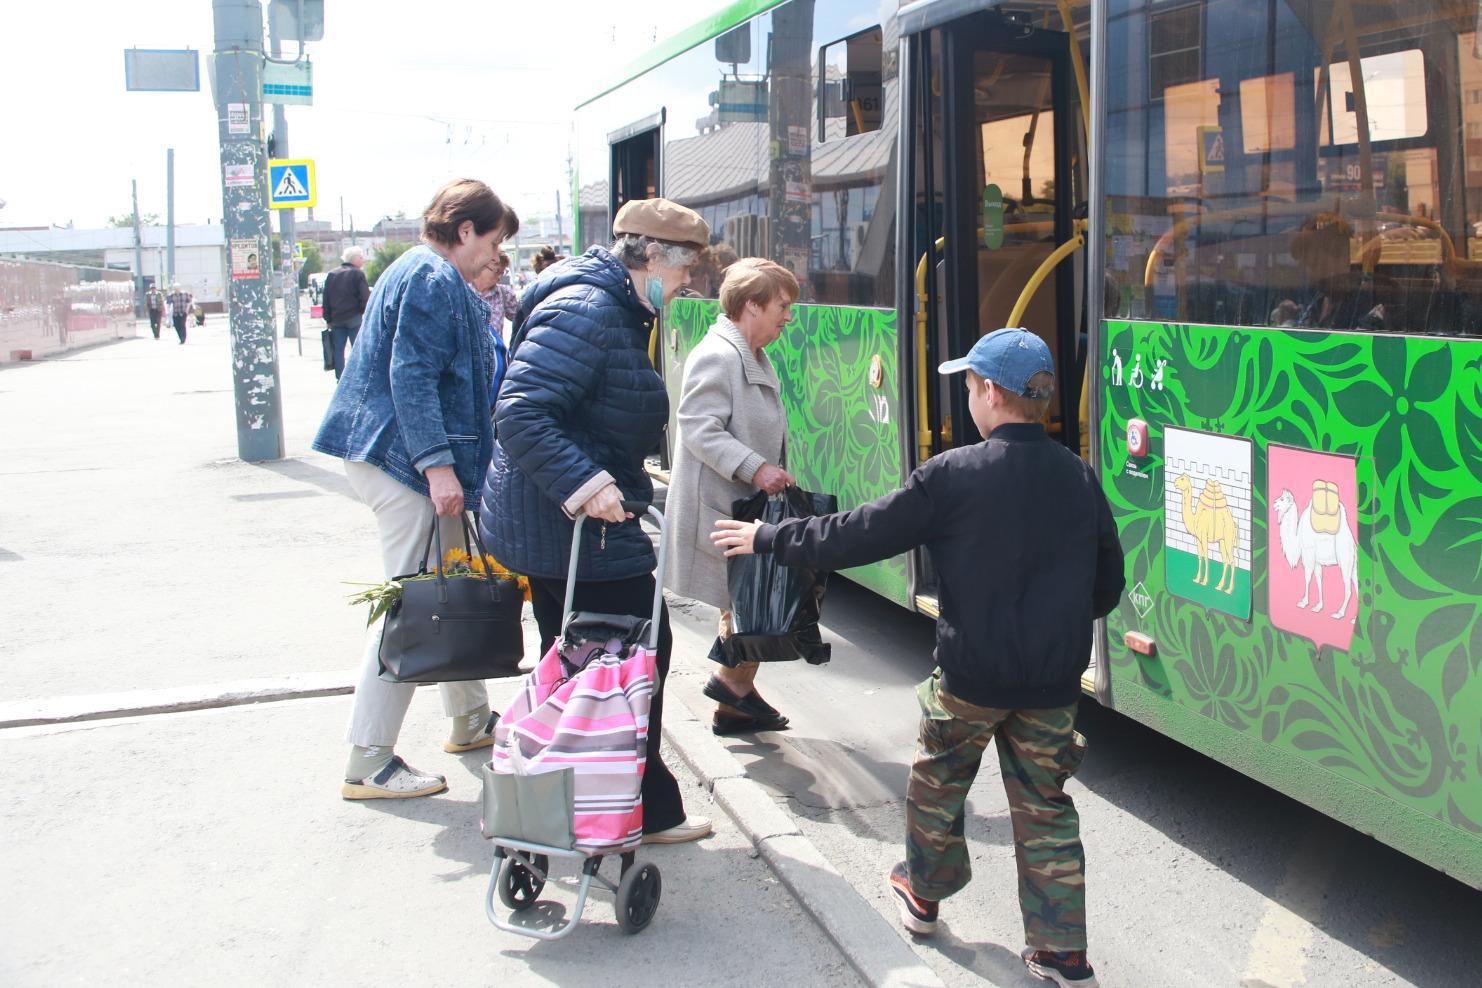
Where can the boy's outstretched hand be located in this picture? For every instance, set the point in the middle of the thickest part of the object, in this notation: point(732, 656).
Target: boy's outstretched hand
point(735, 537)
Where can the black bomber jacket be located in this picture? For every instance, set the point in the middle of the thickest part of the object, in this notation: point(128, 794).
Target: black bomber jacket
point(1026, 554)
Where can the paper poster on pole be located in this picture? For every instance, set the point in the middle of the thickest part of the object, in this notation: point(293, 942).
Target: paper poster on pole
point(238, 119)
point(246, 259)
point(238, 176)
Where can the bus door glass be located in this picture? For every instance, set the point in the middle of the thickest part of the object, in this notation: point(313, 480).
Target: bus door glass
point(635, 174)
point(635, 168)
point(1004, 165)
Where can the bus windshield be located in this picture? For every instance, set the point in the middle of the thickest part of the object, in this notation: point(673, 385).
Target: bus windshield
point(1304, 163)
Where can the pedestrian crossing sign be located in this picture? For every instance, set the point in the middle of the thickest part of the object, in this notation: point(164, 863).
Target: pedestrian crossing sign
point(291, 184)
point(1211, 150)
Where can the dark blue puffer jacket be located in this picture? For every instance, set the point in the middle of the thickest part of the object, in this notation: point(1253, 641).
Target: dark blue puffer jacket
point(580, 397)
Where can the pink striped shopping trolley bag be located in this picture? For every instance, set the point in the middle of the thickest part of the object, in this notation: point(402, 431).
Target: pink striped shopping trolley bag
point(565, 779)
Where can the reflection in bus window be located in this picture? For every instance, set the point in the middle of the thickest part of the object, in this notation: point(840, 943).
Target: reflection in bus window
point(1258, 181)
point(741, 144)
point(1267, 107)
point(852, 97)
point(1394, 89)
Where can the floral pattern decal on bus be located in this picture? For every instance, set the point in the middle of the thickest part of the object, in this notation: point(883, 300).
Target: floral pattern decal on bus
point(1390, 698)
point(840, 386)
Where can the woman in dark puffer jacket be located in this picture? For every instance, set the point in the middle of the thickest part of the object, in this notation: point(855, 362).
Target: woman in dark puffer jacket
point(580, 408)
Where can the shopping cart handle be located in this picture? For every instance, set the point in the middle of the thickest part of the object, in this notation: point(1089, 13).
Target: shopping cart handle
point(636, 508)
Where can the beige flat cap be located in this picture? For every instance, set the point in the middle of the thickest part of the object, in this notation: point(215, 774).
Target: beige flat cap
point(663, 220)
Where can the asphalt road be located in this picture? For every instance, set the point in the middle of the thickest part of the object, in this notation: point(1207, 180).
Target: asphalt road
point(1196, 874)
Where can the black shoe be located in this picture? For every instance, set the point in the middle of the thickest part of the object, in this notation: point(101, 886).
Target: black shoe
point(752, 704)
point(1068, 968)
point(917, 915)
point(725, 723)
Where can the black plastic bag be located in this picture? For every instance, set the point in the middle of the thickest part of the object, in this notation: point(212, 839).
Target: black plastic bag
point(775, 608)
point(326, 343)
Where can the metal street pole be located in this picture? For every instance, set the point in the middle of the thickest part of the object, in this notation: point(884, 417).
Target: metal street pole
point(170, 213)
point(287, 228)
point(244, 212)
point(138, 258)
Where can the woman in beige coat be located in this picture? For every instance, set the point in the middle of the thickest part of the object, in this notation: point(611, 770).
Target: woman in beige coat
point(732, 443)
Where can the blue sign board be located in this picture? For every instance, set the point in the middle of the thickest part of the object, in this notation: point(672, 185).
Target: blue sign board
point(290, 183)
point(162, 70)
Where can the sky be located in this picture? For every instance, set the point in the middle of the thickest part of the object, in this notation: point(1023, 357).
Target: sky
point(407, 95)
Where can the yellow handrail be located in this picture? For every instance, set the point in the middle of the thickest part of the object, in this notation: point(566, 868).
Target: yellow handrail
point(1181, 228)
point(1079, 63)
point(1042, 272)
point(923, 431)
point(1368, 252)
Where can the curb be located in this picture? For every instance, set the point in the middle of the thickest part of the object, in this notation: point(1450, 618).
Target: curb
point(873, 947)
point(107, 706)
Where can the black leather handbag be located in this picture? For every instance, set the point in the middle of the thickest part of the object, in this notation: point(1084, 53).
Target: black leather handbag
point(452, 628)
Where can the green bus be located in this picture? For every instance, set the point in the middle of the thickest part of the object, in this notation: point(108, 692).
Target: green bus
point(1251, 234)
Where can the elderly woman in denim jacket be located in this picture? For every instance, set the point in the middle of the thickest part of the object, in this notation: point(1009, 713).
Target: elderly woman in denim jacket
point(411, 419)
point(580, 409)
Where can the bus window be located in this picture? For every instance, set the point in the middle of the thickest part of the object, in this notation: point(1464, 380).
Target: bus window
point(850, 81)
point(1277, 178)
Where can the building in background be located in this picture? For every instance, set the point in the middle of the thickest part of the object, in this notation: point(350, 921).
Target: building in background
point(200, 254)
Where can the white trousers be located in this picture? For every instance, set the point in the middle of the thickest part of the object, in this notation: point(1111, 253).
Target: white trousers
point(403, 517)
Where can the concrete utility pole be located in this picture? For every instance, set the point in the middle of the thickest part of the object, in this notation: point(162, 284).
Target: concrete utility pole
point(138, 258)
point(245, 216)
point(170, 215)
point(287, 228)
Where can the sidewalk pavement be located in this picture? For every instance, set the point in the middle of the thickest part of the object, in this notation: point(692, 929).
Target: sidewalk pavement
point(177, 649)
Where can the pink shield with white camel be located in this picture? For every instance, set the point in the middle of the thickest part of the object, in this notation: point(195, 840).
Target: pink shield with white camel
point(1312, 558)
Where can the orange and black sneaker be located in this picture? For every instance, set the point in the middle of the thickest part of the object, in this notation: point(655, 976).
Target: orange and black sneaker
point(1067, 968)
point(917, 915)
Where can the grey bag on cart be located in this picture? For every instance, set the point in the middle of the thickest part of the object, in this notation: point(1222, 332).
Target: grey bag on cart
point(535, 808)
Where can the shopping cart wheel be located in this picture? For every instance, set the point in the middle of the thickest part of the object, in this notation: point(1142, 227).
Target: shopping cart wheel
point(638, 897)
point(519, 887)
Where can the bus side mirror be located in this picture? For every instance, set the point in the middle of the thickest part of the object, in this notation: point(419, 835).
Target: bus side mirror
point(734, 47)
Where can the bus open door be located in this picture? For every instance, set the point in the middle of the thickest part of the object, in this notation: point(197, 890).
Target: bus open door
point(997, 179)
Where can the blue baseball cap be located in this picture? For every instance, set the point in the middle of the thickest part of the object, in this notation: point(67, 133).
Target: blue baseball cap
point(1008, 358)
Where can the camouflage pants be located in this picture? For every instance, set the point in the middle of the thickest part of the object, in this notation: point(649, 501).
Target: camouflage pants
point(1037, 751)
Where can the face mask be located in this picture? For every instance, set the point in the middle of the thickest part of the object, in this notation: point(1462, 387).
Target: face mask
point(655, 290)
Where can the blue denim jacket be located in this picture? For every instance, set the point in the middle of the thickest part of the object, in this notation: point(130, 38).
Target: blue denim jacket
point(418, 387)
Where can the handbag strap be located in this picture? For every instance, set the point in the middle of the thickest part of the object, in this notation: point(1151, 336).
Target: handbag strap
point(471, 538)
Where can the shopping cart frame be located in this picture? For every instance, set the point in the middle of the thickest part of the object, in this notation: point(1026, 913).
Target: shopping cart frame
point(518, 876)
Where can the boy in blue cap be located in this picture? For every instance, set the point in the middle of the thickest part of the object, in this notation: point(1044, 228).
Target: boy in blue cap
point(1027, 555)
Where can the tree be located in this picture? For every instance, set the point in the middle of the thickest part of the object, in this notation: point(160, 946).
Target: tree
point(382, 258)
point(313, 263)
point(127, 219)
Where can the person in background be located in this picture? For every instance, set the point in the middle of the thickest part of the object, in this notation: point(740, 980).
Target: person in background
point(580, 408)
point(411, 419)
point(178, 301)
point(732, 443)
point(346, 293)
point(711, 271)
point(486, 286)
point(154, 304)
point(497, 294)
point(1027, 557)
point(1336, 296)
point(544, 258)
